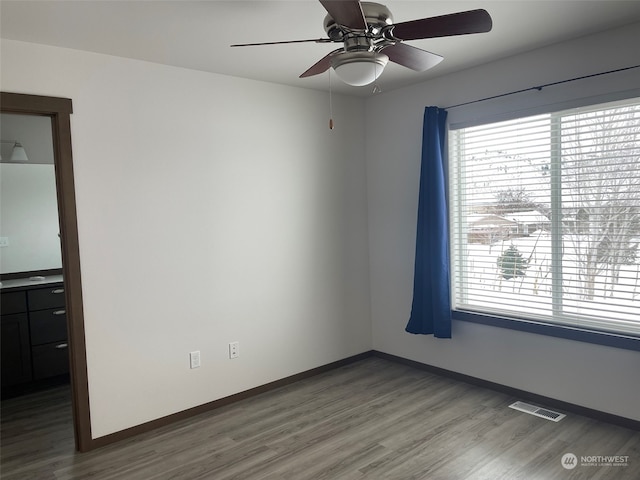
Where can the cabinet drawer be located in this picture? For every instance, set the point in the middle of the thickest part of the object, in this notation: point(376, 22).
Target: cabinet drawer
point(13, 302)
point(43, 298)
point(50, 360)
point(48, 326)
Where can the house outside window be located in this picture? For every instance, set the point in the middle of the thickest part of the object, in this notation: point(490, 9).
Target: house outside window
point(545, 218)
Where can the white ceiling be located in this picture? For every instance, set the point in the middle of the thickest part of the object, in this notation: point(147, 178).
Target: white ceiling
point(197, 34)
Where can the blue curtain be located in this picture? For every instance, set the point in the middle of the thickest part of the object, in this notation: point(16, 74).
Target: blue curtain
point(431, 306)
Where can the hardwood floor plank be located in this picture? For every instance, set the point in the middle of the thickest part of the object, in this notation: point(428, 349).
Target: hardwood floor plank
point(373, 419)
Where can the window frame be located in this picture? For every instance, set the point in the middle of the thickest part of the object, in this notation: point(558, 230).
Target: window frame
point(540, 327)
point(597, 337)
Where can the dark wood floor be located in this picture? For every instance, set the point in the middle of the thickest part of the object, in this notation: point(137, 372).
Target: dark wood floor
point(373, 419)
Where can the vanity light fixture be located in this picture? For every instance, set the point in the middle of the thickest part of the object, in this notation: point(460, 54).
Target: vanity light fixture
point(18, 154)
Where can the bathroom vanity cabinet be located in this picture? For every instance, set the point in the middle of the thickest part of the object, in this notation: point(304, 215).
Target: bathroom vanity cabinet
point(34, 331)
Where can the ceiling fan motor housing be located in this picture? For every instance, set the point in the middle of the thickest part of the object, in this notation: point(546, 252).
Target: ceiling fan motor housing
point(377, 17)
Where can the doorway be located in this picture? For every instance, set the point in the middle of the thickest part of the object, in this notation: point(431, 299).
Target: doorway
point(59, 110)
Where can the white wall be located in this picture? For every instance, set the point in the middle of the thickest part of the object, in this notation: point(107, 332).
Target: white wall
point(214, 209)
point(598, 377)
point(211, 209)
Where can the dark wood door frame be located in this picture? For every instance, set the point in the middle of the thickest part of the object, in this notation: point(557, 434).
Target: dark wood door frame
point(59, 110)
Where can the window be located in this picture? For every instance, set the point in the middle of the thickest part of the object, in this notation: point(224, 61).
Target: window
point(545, 218)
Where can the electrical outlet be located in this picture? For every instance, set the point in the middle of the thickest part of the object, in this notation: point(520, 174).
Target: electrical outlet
point(234, 349)
point(194, 359)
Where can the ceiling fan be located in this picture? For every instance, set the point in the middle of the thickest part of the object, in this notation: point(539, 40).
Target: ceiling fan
point(370, 39)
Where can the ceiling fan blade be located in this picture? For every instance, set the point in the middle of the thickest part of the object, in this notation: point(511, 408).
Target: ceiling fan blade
point(346, 12)
point(321, 65)
point(412, 57)
point(461, 23)
point(315, 40)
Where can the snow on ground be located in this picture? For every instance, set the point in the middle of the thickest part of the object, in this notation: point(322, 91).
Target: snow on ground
point(533, 293)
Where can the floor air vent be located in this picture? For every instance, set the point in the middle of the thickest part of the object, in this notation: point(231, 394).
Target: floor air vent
point(537, 411)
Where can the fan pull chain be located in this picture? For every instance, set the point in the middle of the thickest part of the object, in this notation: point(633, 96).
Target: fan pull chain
point(376, 87)
point(330, 104)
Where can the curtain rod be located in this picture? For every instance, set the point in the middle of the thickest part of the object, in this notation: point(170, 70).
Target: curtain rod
point(540, 87)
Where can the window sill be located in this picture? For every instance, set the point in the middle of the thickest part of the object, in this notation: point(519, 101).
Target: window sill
point(561, 331)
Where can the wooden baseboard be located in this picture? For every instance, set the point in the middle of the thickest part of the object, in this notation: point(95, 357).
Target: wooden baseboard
point(191, 412)
point(519, 394)
point(514, 392)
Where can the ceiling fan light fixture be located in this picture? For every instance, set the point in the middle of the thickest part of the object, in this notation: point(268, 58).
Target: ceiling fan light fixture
point(359, 68)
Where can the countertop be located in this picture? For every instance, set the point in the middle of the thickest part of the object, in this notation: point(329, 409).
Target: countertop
point(30, 282)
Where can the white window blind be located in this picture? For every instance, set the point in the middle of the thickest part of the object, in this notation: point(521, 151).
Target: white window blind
point(545, 218)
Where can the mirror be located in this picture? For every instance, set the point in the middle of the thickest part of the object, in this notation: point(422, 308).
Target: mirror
point(29, 227)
